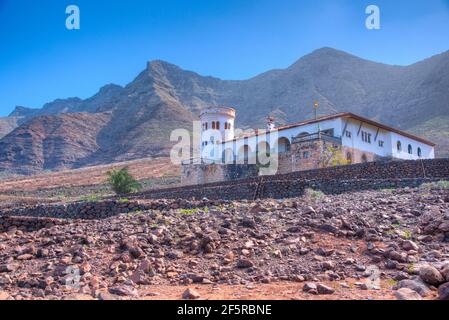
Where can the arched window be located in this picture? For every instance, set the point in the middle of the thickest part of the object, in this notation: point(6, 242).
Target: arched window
point(206, 125)
point(213, 125)
point(399, 146)
point(419, 152)
point(364, 158)
point(217, 125)
point(229, 126)
point(410, 149)
point(226, 126)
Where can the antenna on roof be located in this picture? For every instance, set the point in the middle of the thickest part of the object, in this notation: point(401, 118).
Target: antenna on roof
point(315, 107)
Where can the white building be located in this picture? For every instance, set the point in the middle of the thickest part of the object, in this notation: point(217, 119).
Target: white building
point(359, 139)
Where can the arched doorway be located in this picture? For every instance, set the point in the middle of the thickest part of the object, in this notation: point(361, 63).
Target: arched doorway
point(244, 154)
point(283, 145)
point(228, 156)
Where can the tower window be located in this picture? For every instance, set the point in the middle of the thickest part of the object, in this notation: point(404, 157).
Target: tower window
point(213, 125)
point(217, 125)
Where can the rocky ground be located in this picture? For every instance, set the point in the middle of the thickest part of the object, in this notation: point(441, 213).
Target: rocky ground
point(390, 244)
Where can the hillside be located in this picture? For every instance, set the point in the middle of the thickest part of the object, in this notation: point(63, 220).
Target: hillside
point(164, 97)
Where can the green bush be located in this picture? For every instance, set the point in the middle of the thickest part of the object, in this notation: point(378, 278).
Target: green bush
point(122, 182)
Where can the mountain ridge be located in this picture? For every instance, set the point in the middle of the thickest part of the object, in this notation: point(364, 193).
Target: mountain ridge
point(164, 97)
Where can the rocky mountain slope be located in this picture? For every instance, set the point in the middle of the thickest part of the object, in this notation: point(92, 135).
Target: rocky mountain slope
point(164, 97)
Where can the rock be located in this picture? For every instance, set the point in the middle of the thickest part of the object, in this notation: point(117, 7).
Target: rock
point(248, 222)
point(106, 296)
point(445, 272)
point(398, 256)
point(4, 295)
point(136, 252)
point(415, 285)
point(410, 245)
point(8, 268)
point(78, 297)
point(431, 275)
point(407, 294)
point(323, 289)
point(124, 291)
point(190, 294)
point(145, 266)
point(327, 265)
point(443, 291)
point(244, 264)
point(310, 288)
point(24, 257)
point(444, 227)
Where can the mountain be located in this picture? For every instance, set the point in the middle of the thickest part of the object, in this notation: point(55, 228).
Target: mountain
point(136, 120)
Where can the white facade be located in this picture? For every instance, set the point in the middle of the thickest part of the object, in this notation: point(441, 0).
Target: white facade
point(217, 125)
point(355, 132)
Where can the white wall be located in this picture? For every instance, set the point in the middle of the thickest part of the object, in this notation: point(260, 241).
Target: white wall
point(428, 152)
point(355, 141)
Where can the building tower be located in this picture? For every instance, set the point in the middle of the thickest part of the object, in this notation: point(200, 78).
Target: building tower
point(217, 125)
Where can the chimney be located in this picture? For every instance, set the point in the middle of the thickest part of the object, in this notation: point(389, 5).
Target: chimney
point(270, 124)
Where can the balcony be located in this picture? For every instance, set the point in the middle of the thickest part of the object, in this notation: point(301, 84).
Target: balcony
point(317, 136)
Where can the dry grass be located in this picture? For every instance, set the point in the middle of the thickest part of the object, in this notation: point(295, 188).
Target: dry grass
point(140, 169)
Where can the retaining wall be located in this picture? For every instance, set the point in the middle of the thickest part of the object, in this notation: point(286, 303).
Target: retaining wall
point(374, 175)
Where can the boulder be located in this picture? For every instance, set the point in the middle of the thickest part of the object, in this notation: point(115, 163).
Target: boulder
point(407, 294)
point(443, 291)
point(431, 275)
point(415, 285)
point(191, 294)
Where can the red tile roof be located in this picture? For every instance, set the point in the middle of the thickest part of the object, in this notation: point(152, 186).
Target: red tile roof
point(345, 115)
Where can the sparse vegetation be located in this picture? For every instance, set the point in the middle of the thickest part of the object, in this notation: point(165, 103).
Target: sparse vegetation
point(91, 198)
point(391, 282)
point(122, 182)
point(443, 184)
point(313, 194)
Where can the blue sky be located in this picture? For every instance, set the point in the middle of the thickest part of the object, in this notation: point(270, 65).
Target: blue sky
point(40, 60)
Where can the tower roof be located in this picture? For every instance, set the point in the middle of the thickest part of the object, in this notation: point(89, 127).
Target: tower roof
point(227, 111)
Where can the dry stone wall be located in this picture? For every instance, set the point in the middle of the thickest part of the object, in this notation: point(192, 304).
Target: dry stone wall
point(397, 174)
point(374, 175)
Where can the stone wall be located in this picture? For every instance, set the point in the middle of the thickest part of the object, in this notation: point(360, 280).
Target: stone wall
point(28, 224)
point(374, 175)
point(194, 174)
point(377, 175)
point(78, 210)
